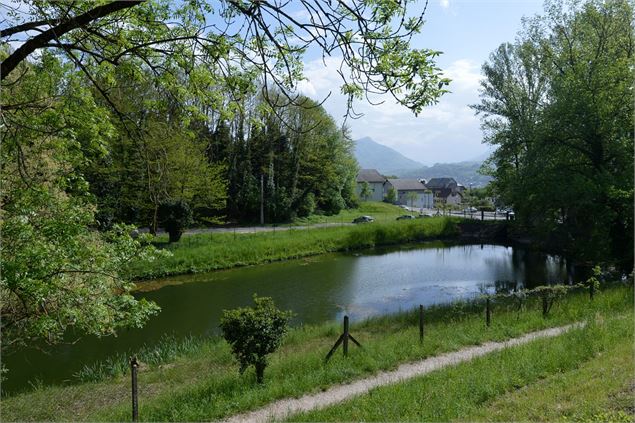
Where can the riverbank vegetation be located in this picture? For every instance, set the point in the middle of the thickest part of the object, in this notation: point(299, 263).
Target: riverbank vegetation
point(203, 384)
point(213, 251)
point(557, 106)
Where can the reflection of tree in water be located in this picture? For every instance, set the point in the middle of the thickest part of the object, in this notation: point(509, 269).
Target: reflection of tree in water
point(506, 286)
point(527, 269)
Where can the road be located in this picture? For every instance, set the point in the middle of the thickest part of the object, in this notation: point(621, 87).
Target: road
point(252, 229)
point(257, 229)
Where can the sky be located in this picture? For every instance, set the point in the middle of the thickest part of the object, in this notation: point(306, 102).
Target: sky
point(466, 31)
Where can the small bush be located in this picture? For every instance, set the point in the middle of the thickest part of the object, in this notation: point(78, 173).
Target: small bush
point(174, 217)
point(255, 332)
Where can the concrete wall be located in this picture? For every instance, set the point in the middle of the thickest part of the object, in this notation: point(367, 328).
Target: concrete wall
point(424, 199)
point(454, 199)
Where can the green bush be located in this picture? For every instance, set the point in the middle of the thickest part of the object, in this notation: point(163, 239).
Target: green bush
point(254, 332)
point(391, 196)
point(174, 217)
point(307, 206)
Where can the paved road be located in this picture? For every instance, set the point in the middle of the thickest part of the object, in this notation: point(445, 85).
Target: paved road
point(252, 229)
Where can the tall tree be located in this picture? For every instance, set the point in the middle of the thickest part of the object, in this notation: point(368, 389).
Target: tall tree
point(558, 105)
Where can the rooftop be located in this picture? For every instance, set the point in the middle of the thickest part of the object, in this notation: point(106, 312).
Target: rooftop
point(370, 175)
point(407, 184)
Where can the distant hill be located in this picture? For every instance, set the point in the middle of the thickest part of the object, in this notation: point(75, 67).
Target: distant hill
point(465, 173)
point(372, 155)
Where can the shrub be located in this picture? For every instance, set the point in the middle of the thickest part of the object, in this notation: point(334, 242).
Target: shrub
point(307, 206)
point(254, 332)
point(174, 217)
point(391, 196)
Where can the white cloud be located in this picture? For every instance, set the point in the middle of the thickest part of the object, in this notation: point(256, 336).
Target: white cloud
point(444, 3)
point(446, 132)
point(464, 74)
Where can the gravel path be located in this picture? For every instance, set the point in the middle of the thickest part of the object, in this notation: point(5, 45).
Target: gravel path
point(284, 408)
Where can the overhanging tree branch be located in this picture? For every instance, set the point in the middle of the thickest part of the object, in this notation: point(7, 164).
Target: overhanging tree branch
point(41, 40)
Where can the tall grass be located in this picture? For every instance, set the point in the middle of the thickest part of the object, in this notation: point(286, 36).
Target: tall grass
point(166, 350)
point(207, 252)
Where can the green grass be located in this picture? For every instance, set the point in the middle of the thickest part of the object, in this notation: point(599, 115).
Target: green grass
point(601, 389)
point(479, 390)
point(381, 212)
point(207, 252)
point(204, 384)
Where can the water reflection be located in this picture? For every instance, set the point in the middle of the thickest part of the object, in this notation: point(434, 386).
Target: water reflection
point(379, 281)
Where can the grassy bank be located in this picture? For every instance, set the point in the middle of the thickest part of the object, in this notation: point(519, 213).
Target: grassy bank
point(572, 376)
point(207, 252)
point(203, 382)
point(381, 212)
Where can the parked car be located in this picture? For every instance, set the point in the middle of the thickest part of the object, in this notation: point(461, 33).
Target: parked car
point(403, 206)
point(470, 210)
point(423, 215)
point(406, 217)
point(363, 219)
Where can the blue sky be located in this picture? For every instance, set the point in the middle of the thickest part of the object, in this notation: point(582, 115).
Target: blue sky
point(466, 32)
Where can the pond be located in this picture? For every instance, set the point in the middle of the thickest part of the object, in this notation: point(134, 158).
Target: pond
point(317, 289)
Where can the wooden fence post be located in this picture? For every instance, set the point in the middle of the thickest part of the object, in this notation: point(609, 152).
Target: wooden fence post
point(134, 365)
point(343, 339)
point(488, 312)
point(544, 306)
point(346, 335)
point(420, 322)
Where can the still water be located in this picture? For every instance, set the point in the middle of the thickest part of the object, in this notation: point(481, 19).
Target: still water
point(361, 284)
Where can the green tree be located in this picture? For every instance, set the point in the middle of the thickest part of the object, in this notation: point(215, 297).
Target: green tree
point(391, 196)
point(558, 106)
point(255, 332)
point(175, 216)
point(365, 191)
point(270, 40)
point(57, 272)
point(412, 197)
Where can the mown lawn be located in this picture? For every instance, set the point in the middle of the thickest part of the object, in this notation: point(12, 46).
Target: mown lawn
point(203, 383)
point(381, 212)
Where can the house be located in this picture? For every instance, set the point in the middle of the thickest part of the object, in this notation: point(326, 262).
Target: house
point(411, 192)
point(375, 182)
point(446, 190)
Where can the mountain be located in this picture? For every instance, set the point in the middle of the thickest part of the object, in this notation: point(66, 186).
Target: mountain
point(465, 173)
point(372, 155)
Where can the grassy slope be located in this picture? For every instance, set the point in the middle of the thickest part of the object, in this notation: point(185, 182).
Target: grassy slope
point(601, 389)
point(381, 212)
point(204, 384)
point(464, 392)
point(206, 252)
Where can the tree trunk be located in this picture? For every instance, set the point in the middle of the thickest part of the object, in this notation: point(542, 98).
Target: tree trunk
point(175, 235)
point(155, 216)
point(260, 371)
